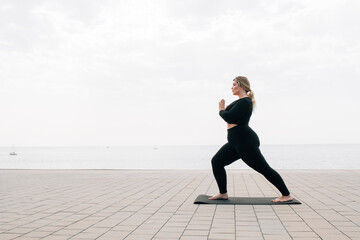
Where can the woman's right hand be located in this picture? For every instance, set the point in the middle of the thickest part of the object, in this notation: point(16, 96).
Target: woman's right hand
point(222, 105)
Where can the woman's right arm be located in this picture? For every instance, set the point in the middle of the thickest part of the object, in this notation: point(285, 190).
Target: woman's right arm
point(235, 113)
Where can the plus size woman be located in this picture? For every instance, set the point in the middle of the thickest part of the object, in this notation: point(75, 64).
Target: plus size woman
point(243, 142)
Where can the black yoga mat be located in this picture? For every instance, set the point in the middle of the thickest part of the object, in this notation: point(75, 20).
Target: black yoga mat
point(203, 199)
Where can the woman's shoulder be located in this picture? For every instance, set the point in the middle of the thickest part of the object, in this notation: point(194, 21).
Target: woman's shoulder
point(245, 98)
point(242, 100)
point(237, 102)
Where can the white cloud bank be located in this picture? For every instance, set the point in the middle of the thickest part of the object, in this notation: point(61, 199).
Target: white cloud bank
point(152, 72)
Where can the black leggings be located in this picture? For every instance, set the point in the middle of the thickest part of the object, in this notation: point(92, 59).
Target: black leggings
point(244, 143)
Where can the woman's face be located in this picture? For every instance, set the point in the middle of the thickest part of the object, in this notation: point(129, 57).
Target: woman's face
point(235, 88)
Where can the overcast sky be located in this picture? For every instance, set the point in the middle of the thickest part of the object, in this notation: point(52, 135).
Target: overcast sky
point(152, 72)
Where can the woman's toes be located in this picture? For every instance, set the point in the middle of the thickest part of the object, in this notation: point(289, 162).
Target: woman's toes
point(214, 197)
point(283, 199)
point(219, 197)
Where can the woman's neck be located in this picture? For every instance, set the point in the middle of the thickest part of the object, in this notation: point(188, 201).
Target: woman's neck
point(242, 95)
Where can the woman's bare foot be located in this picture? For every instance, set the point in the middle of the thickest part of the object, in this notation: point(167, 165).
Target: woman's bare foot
point(283, 199)
point(220, 196)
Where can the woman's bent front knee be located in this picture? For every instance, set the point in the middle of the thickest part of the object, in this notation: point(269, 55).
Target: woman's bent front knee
point(216, 162)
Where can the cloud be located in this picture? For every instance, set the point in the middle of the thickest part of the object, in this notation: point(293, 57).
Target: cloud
point(124, 57)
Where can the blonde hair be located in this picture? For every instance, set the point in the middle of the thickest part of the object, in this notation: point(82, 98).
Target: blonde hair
point(245, 84)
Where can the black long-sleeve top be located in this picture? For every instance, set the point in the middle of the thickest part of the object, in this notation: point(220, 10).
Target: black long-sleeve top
point(238, 112)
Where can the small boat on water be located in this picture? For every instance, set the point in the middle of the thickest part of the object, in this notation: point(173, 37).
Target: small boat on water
point(13, 153)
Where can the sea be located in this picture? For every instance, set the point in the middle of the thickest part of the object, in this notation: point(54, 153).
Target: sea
point(297, 156)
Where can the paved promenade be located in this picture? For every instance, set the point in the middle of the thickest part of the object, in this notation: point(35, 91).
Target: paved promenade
point(158, 204)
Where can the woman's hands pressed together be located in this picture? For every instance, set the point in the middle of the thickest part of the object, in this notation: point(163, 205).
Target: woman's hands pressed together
point(222, 105)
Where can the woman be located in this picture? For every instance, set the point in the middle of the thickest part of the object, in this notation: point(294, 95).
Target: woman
point(243, 142)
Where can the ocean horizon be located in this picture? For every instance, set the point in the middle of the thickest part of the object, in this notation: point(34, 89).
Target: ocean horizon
point(279, 156)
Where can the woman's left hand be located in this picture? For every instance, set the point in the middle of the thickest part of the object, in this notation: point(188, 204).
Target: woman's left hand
point(222, 105)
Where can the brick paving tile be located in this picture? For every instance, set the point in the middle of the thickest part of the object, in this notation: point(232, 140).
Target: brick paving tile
point(90, 204)
point(52, 237)
point(277, 237)
point(193, 238)
point(6, 236)
point(36, 234)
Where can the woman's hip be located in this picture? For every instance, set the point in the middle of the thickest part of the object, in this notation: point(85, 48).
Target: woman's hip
point(243, 136)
